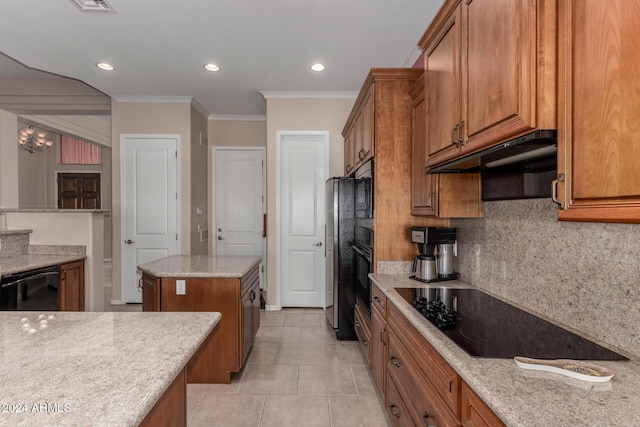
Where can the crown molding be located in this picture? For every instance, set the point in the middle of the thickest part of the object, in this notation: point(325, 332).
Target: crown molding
point(195, 104)
point(413, 57)
point(302, 94)
point(154, 99)
point(239, 117)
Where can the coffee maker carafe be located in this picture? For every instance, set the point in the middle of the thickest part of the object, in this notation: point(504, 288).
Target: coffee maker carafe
point(437, 247)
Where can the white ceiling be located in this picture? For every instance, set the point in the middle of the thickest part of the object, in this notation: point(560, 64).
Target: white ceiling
point(159, 46)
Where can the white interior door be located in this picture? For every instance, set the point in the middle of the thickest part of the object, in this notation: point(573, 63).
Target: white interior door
point(239, 202)
point(149, 166)
point(303, 171)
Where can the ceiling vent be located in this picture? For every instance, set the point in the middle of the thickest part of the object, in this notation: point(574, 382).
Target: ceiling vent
point(93, 5)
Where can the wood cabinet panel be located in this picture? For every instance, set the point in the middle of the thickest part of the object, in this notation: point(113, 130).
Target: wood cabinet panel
point(475, 413)
point(598, 109)
point(420, 397)
point(397, 411)
point(363, 330)
point(150, 293)
point(171, 408)
point(378, 347)
point(443, 378)
point(71, 293)
point(444, 196)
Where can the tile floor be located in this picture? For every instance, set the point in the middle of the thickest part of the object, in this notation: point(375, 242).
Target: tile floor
point(297, 374)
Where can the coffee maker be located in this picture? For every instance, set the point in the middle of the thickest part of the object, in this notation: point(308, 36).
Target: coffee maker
point(437, 247)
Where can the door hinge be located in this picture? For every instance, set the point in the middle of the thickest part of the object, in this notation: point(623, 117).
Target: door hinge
point(262, 163)
point(176, 236)
point(176, 196)
point(176, 154)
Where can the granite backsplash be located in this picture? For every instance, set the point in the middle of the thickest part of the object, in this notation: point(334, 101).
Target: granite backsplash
point(583, 275)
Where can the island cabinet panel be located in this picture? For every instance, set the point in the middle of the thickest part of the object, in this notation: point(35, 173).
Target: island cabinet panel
point(150, 293)
point(171, 408)
point(599, 111)
point(72, 286)
point(228, 346)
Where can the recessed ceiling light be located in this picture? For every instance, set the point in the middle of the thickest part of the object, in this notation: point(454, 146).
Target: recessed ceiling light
point(211, 67)
point(318, 67)
point(104, 66)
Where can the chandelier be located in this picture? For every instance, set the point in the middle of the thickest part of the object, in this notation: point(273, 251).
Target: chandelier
point(32, 141)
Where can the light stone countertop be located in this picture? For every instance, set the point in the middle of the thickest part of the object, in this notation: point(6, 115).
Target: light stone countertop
point(200, 266)
point(100, 369)
point(17, 264)
point(529, 398)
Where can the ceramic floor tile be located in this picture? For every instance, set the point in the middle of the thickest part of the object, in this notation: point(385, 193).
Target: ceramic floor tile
point(271, 318)
point(362, 411)
point(229, 411)
point(300, 354)
point(365, 384)
point(317, 334)
point(198, 389)
point(303, 319)
point(263, 353)
point(193, 402)
point(326, 379)
point(269, 379)
point(278, 334)
point(345, 352)
point(299, 411)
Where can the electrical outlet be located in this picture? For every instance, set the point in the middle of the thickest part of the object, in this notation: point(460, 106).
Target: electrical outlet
point(181, 287)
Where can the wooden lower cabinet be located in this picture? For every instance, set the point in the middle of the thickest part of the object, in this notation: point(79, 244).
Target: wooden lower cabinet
point(362, 326)
point(474, 411)
point(378, 348)
point(229, 344)
point(420, 387)
point(71, 293)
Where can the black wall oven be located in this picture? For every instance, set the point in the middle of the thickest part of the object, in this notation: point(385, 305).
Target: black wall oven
point(363, 251)
point(34, 290)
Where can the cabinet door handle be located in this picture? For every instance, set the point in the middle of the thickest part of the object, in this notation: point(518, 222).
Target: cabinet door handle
point(382, 337)
point(140, 283)
point(365, 343)
point(395, 361)
point(554, 191)
point(453, 140)
point(394, 411)
point(356, 323)
point(458, 138)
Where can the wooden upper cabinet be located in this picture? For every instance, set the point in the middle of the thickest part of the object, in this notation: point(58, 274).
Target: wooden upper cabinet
point(490, 74)
point(359, 133)
point(423, 185)
point(599, 110)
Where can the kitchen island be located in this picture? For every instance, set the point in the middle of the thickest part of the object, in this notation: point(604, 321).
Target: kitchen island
point(522, 397)
point(111, 369)
point(226, 284)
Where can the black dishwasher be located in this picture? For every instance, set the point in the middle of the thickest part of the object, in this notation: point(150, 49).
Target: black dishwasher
point(33, 290)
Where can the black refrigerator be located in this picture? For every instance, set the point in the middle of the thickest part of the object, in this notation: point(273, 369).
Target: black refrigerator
point(339, 254)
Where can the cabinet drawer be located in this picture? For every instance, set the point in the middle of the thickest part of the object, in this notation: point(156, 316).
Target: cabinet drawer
point(396, 409)
point(443, 378)
point(475, 413)
point(411, 382)
point(378, 299)
point(248, 279)
point(363, 331)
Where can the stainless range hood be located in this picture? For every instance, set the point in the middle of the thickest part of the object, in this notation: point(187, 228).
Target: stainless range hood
point(534, 151)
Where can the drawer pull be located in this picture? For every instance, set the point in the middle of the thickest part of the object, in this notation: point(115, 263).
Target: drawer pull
point(365, 343)
point(395, 362)
point(394, 411)
point(375, 297)
point(425, 418)
point(357, 324)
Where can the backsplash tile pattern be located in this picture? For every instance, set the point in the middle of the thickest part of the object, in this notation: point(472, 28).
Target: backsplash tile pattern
point(583, 275)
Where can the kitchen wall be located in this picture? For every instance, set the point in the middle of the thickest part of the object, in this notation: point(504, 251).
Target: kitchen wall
point(238, 133)
point(583, 275)
point(317, 114)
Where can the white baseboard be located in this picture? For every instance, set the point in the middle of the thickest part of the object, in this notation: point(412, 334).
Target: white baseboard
point(272, 308)
point(116, 302)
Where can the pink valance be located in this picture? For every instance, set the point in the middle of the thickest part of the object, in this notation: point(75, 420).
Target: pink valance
point(77, 152)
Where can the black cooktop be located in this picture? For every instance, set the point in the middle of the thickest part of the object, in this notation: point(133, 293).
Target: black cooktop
point(485, 326)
